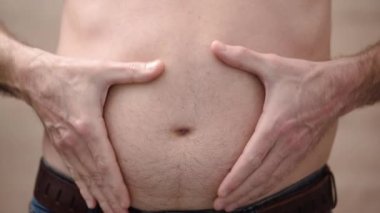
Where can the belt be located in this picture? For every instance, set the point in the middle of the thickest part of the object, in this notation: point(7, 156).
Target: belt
point(60, 195)
point(56, 192)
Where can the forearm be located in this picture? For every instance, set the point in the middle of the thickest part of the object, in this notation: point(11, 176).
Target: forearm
point(361, 77)
point(14, 57)
point(371, 87)
point(6, 64)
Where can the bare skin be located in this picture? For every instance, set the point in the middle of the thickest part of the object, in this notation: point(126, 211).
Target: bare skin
point(321, 92)
point(337, 87)
point(178, 137)
point(60, 90)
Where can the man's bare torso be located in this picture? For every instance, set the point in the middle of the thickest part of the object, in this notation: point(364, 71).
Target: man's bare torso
point(177, 137)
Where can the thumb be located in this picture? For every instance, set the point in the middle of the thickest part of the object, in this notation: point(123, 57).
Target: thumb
point(241, 58)
point(137, 72)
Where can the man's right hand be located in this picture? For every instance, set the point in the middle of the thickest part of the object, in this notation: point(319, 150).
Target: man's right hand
point(68, 95)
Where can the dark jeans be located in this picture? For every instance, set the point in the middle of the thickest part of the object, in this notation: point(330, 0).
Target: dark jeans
point(36, 207)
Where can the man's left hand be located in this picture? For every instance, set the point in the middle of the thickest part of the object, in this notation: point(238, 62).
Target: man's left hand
point(301, 103)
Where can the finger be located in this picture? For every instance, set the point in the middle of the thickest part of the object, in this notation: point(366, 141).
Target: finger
point(86, 183)
point(84, 191)
point(251, 158)
point(110, 180)
point(279, 162)
point(284, 168)
point(82, 179)
point(80, 183)
point(53, 135)
point(75, 150)
point(83, 175)
point(258, 178)
point(120, 73)
point(241, 58)
point(258, 181)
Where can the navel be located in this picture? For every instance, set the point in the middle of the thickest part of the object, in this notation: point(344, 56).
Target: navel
point(182, 131)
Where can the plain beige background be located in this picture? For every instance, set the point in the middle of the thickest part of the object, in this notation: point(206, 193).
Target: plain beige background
point(355, 159)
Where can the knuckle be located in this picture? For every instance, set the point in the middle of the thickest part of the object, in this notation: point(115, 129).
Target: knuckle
point(120, 199)
point(255, 160)
point(115, 189)
point(93, 180)
point(134, 68)
point(284, 126)
point(101, 164)
point(82, 126)
point(241, 51)
point(261, 178)
point(132, 71)
point(74, 174)
point(86, 179)
point(68, 142)
point(97, 179)
point(293, 144)
point(64, 139)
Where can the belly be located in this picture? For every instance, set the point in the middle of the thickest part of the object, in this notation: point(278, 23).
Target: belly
point(177, 137)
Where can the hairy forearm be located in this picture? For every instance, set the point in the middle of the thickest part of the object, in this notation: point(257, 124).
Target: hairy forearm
point(363, 78)
point(13, 58)
point(372, 88)
point(6, 62)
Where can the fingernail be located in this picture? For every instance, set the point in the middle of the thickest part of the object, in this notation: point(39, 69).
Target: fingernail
point(218, 205)
point(231, 207)
point(89, 204)
point(151, 66)
point(221, 46)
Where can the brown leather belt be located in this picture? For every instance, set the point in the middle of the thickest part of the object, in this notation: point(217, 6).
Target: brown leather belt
point(60, 195)
point(57, 192)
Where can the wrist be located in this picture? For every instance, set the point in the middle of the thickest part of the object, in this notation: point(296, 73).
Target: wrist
point(23, 72)
point(342, 84)
point(370, 93)
point(374, 55)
